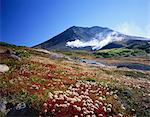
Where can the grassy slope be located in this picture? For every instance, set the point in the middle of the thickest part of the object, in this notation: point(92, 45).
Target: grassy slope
point(116, 52)
point(30, 80)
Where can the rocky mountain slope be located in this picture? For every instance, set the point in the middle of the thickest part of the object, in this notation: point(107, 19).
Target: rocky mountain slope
point(91, 38)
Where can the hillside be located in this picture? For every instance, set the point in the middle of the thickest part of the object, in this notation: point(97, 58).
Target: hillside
point(47, 83)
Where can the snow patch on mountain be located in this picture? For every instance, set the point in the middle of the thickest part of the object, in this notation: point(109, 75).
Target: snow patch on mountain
point(96, 43)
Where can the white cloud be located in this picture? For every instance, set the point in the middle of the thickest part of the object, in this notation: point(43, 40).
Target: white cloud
point(148, 31)
point(131, 28)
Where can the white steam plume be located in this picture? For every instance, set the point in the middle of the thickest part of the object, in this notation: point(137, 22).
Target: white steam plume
point(96, 43)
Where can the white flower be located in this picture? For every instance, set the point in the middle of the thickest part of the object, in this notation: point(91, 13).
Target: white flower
point(68, 104)
point(100, 92)
point(100, 98)
point(111, 92)
point(109, 105)
point(78, 108)
point(100, 115)
point(76, 116)
point(87, 112)
point(45, 104)
point(105, 104)
point(50, 95)
point(56, 105)
point(45, 110)
point(122, 107)
point(53, 100)
point(115, 96)
point(55, 96)
point(109, 109)
point(97, 105)
point(53, 110)
point(63, 105)
point(107, 93)
point(93, 115)
point(120, 115)
point(104, 108)
point(100, 103)
point(133, 109)
point(57, 92)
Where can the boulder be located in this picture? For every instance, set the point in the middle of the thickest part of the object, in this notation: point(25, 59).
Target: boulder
point(3, 68)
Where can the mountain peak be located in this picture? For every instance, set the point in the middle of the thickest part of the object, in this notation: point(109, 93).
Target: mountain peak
point(72, 27)
point(99, 27)
point(76, 37)
point(92, 27)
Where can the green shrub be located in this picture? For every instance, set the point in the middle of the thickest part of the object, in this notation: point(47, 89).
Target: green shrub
point(23, 53)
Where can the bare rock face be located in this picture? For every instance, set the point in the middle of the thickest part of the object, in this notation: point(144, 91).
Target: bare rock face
point(3, 68)
point(4, 50)
point(43, 50)
point(9, 52)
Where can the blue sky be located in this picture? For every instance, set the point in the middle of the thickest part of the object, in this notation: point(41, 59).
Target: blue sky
point(29, 22)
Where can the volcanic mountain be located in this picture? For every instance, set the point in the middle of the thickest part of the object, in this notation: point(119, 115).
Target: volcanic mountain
point(91, 38)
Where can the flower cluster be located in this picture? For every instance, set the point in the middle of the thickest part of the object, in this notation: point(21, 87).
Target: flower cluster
point(82, 99)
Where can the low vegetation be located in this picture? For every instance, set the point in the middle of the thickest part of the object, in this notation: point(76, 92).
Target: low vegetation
point(107, 53)
point(119, 52)
point(38, 85)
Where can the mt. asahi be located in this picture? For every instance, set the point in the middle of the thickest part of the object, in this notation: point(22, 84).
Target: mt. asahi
point(91, 38)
